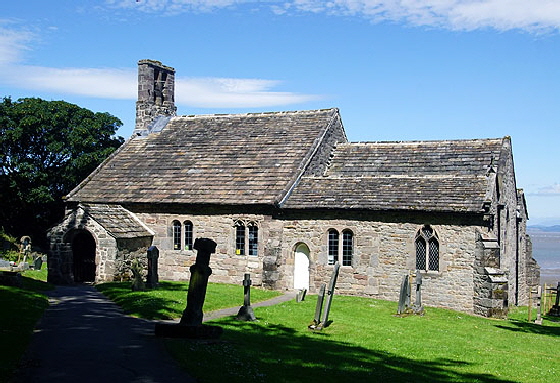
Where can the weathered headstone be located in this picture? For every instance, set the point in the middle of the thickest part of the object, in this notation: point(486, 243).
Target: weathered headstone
point(404, 296)
point(555, 309)
point(137, 278)
point(539, 297)
point(246, 312)
point(300, 297)
point(330, 294)
point(418, 308)
point(319, 307)
point(38, 263)
point(324, 321)
point(191, 326)
point(152, 279)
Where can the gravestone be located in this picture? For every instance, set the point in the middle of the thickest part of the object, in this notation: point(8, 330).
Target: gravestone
point(246, 312)
point(137, 278)
point(555, 310)
point(319, 307)
point(418, 309)
point(152, 279)
point(539, 298)
point(38, 263)
point(404, 297)
point(25, 248)
point(319, 324)
point(191, 326)
point(300, 297)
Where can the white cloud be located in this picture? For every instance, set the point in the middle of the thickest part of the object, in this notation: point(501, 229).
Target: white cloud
point(467, 15)
point(550, 190)
point(111, 83)
point(121, 83)
point(13, 43)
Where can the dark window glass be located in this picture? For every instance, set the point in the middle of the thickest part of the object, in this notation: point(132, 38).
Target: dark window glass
point(347, 247)
point(427, 249)
point(333, 246)
point(188, 235)
point(176, 235)
point(240, 238)
point(253, 239)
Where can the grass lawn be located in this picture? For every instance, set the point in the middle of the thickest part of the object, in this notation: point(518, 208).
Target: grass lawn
point(21, 309)
point(364, 343)
point(168, 301)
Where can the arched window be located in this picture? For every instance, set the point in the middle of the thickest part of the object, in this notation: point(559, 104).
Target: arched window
point(253, 234)
point(246, 233)
point(176, 235)
point(427, 249)
point(188, 235)
point(333, 246)
point(347, 247)
point(239, 238)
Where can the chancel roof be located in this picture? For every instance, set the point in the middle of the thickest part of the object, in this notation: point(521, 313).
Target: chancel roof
point(447, 175)
point(215, 159)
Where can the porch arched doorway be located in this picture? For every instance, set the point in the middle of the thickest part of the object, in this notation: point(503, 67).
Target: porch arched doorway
point(83, 256)
point(301, 267)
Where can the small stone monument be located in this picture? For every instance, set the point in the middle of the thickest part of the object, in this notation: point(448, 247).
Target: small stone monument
point(555, 309)
point(404, 297)
point(539, 298)
point(152, 279)
point(137, 278)
point(191, 326)
point(319, 307)
point(417, 308)
point(324, 322)
point(246, 312)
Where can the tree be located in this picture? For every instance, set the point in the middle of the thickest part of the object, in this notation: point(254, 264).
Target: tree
point(46, 149)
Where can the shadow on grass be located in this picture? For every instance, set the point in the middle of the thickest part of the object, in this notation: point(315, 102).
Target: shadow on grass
point(142, 305)
point(533, 328)
point(260, 352)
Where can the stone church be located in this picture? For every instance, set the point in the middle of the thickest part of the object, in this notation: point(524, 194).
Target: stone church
point(285, 196)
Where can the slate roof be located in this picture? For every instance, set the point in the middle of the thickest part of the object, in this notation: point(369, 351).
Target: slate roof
point(118, 221)
point(221, 159)
point(448, 175)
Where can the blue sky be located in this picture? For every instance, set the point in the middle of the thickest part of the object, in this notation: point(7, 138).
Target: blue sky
point(398, 70)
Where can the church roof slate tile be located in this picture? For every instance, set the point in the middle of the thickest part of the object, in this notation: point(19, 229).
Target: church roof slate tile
point(447, 175)
point(223, 159)
point(118, 221)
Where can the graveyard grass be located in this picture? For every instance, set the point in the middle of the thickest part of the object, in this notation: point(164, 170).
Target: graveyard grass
point(365, 342)
point(169, 299)
point(21, 309)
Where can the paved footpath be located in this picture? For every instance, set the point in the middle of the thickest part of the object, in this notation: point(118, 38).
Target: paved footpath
point(84, 337)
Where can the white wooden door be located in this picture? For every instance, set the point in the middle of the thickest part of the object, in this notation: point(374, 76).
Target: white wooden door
point(301, 267)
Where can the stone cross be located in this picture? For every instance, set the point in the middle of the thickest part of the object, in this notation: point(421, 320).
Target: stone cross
point(191, 326)
point(200, 272)
point(152, 279)
point(246, 312)
point(418, 308)
point(404, 297)
point(539, 296)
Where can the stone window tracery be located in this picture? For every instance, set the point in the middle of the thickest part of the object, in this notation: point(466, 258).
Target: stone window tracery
point(336, 252)
point(246, 238)
point(427, 249)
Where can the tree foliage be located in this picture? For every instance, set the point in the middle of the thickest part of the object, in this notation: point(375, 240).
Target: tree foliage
point(46, 149)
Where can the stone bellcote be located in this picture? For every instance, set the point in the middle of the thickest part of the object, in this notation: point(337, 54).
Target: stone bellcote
point(156, 96)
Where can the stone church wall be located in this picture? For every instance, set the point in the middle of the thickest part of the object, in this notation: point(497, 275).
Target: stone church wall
point(227, 266)
point(383, 253)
